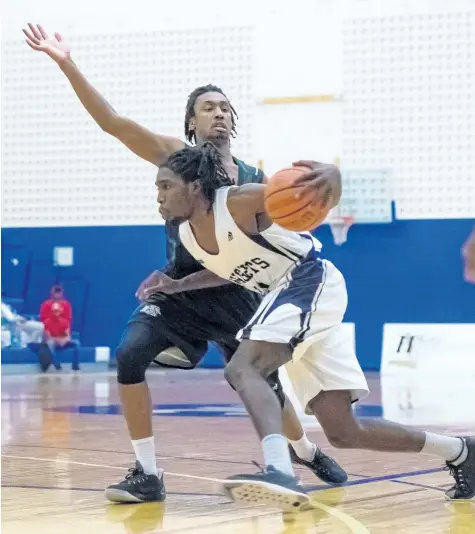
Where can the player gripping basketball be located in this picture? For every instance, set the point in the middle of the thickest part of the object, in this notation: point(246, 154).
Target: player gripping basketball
point(298, 324)
point(185, 306)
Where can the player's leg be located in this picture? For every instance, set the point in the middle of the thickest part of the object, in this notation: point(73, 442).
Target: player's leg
point(140, 343)
point(247, 371)
point(344, 430)
point(292, 426)
point(234, 309)
point(328, 379)
point(302, 450)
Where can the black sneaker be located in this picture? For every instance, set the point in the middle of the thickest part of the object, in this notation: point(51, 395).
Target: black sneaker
point(137, 487)
point(464, 475)
point(324, 467)
point(270, 486)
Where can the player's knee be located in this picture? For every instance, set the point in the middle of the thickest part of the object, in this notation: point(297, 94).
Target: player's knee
point(234, 374)
point(129, 368)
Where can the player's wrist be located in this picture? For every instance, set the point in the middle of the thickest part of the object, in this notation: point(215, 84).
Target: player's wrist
point(65, 63)
point(182, 284)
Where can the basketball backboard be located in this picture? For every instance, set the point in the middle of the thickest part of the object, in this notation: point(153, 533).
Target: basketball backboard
point(366, 198)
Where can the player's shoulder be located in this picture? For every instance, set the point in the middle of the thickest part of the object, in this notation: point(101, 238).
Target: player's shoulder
point(248, 173)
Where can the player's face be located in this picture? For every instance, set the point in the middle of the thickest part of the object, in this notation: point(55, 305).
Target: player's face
point(174, 196)
point(213, 118)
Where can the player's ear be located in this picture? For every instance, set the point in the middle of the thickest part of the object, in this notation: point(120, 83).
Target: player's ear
point(196, 186)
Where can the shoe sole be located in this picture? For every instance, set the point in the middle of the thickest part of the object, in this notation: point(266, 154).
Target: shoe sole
point(463, 499)
point(257, 492)
point(117, 495)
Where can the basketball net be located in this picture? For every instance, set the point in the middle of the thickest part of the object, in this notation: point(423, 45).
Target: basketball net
point(339, 227)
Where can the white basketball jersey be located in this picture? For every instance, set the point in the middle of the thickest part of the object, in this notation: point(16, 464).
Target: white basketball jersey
point(258, 261)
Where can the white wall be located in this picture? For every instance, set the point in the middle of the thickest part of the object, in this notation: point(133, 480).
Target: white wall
point(59, 169)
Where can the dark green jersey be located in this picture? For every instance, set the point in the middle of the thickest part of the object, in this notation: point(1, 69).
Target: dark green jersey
point(180, 262)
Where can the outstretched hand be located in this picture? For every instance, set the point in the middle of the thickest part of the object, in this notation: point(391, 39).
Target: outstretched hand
point(55, 47)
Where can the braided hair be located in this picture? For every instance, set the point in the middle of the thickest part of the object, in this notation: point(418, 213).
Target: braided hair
point(190, 110)
point(203, 163)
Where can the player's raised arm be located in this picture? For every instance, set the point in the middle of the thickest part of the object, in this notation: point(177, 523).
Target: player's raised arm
point(146, 144)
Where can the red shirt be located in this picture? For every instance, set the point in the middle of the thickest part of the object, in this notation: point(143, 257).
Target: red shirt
point(56, 308)
point(57, 326)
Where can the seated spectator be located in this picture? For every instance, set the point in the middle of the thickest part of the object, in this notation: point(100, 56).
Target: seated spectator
point(19, 332)
point(61, 304)
point(56, 314)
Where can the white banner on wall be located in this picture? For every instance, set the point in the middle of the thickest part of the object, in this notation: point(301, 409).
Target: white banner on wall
point(428, 374)
point(308, 420)
point(428, 348)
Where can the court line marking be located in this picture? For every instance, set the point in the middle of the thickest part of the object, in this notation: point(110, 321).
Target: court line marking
point(61, 461)
point(179, 493)
point(417, 485)
point(353, 524)
point(162, 456)
point(382, 478)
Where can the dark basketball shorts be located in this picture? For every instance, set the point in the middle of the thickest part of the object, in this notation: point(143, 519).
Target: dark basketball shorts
point(190, 319)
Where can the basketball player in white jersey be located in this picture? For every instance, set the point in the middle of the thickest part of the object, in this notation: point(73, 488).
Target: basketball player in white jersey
point(298, 324)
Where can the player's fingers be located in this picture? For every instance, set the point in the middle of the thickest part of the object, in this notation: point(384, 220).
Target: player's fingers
point(42, 31)
point(313, 197)
point(139, 290)
point(318, 197)
point(310, 186)
point(30, 37)
point(304, 163)
point(32, 45)
point(34, 31)
point(152, 289)
point(58, 36)
point(327, 197)
point(313, 178)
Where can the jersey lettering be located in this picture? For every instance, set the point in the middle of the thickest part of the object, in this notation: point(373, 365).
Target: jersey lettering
point(246, 271)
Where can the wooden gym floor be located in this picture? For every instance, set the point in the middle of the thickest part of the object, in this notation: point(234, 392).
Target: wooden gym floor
point(63, 441)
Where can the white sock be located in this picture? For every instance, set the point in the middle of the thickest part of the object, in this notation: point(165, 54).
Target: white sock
point(304, 448)
point(276, 453)
point(145, 453)
point(453, 450)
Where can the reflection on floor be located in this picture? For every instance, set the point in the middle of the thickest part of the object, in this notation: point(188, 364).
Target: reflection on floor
point(64, 440)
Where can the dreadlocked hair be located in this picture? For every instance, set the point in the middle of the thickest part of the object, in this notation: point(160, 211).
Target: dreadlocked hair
point(203, 163)
point(190, 109)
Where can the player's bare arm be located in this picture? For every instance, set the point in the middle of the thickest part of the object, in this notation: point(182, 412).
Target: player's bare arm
point(146, 144)
point(159, 282)
point(246, 205)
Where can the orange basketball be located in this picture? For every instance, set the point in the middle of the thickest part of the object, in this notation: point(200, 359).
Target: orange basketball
point(287, 211)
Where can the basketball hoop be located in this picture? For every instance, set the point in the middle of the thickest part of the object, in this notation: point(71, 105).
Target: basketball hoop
point(339, 227)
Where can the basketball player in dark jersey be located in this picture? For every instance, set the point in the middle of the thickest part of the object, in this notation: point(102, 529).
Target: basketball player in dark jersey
point(184, 306)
